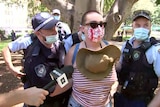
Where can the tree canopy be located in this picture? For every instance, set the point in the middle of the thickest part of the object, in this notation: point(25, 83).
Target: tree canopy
point(115, 11)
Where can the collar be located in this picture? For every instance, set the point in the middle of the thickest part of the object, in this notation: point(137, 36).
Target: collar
point(132, 39)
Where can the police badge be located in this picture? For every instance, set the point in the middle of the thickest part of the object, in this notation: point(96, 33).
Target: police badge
point(40, 70)
point(136, 55)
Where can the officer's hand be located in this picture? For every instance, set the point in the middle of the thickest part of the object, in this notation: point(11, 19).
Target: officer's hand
point(35, 96)
point(16, 71)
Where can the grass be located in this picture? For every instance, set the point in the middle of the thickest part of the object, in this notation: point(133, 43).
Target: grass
point(4, 43)
point(126, 37)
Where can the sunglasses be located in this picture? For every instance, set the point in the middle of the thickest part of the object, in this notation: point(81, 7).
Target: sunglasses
point(95, 24)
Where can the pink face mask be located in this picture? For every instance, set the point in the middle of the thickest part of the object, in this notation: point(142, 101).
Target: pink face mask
point(96, 34)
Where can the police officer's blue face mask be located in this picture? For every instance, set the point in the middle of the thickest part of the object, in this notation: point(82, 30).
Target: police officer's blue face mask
point(83, 36)
point(57, 17)
point(141, 34)
point(51, 39)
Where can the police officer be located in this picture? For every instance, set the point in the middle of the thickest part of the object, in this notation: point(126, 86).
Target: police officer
point(63, 28)
point(72, 39)
point(138, 68)
point(24, 41)
point(43, 55)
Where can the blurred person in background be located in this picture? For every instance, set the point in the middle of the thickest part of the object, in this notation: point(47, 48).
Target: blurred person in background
point(13, 35)
point(63, 28)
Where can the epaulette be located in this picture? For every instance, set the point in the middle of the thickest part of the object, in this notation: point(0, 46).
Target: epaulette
point(35, 50)
point(157, 44)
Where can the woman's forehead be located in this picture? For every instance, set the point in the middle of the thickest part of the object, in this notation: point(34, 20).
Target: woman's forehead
point(94, 17)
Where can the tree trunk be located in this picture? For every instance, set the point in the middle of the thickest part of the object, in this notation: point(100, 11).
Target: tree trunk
point(64, 6)
point(81, 6)
point(72, 12)
point(117, 14)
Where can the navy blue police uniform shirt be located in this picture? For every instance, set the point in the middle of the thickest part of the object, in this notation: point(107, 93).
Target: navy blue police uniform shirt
point(39, 65)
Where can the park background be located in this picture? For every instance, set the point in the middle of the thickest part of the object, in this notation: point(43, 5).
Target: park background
point(16, 15)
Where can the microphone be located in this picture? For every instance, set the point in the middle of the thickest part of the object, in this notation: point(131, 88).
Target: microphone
point(49, 85)
point(60, 76)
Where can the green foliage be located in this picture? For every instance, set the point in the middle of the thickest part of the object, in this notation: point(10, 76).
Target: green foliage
point(156, 16)
point(35, 7)
point(14, 2)
point(157, 2)
point(149, 5)
point(4, 43)
point(107, 5)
